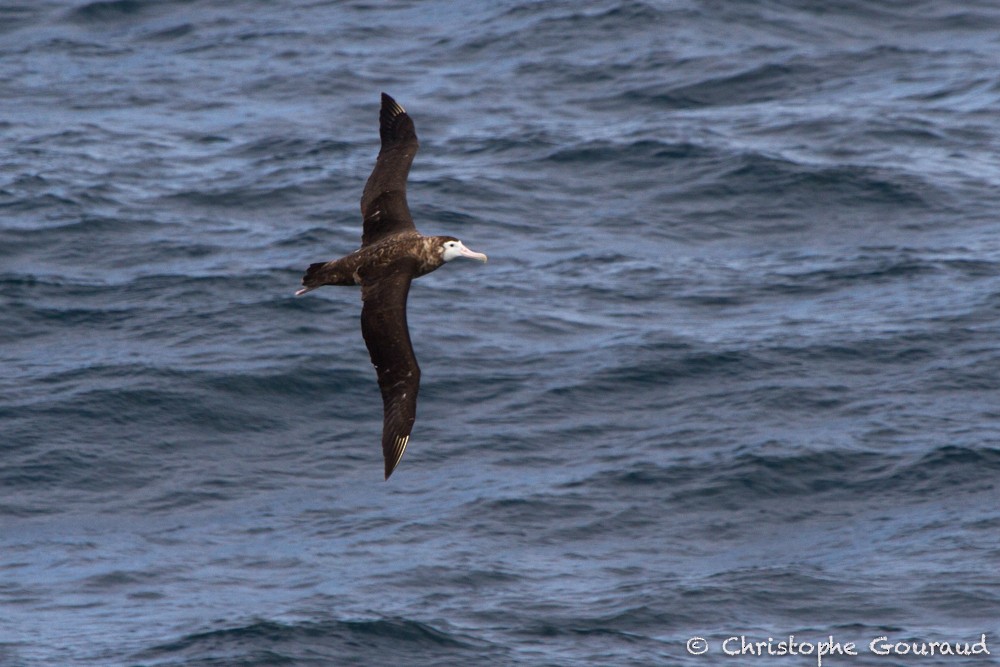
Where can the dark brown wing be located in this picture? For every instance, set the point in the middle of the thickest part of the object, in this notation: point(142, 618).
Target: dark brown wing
point(383, 203)
point(383, 324)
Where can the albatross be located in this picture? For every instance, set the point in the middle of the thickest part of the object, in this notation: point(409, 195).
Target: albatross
point(391, 255)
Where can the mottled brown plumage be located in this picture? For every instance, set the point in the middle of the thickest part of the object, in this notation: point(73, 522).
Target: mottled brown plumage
point(391, 255)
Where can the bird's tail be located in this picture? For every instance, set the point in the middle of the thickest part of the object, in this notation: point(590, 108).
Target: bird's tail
point(313, 278)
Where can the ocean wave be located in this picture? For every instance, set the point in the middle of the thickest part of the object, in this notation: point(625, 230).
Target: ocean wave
point(323, 642)
point(106, 11)
point(644, 152)
point(760, 175)
point(863, 476)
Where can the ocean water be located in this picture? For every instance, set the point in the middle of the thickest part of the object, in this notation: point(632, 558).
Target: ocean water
point(732, 370)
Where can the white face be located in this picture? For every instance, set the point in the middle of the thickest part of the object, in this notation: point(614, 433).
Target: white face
point(452, 249)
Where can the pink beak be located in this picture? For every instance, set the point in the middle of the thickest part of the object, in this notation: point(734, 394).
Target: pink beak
point(473, 255)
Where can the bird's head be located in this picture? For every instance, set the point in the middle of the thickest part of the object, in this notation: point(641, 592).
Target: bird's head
point(452, 248)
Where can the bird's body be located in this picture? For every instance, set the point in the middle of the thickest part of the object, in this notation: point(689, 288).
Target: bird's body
point(376, 258)
point(391, 255)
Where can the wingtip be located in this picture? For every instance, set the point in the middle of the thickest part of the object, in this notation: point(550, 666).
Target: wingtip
point(391, 108)
point(393, 457)
point(395, 125)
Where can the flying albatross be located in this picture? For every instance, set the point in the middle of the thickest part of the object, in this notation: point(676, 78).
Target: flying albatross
point(391, 255)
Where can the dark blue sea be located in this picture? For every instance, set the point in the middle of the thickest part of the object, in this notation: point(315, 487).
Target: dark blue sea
point(730, 379)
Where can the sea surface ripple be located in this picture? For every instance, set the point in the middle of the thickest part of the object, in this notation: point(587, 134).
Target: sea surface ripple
point(732, 369)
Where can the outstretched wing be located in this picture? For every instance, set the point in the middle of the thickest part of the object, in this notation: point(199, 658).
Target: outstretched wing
point(383, 203)
point(383, 325)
